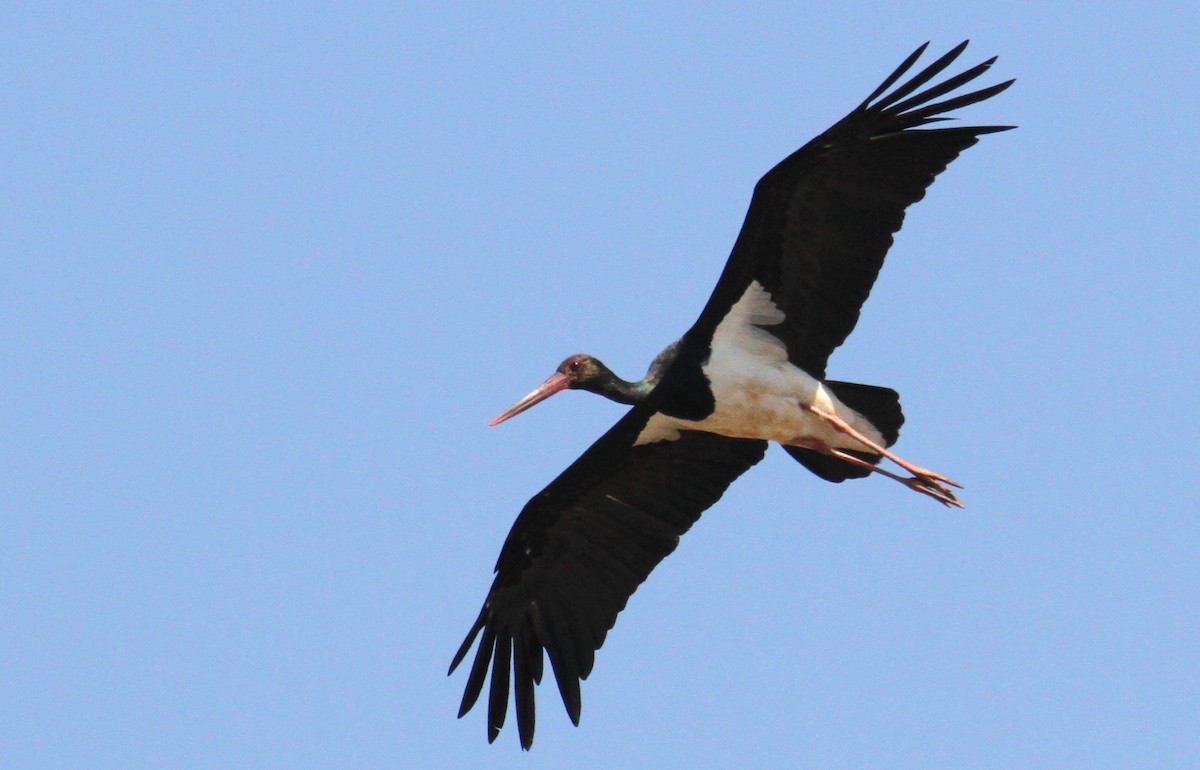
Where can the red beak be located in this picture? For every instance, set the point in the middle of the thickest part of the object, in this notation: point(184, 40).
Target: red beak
point(558, 381)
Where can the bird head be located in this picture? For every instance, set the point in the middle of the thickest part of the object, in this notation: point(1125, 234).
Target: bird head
point(577, 372)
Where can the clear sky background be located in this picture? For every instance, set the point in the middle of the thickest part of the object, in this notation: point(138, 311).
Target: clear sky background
point(267, 274)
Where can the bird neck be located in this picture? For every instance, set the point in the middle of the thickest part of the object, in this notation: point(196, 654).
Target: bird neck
point(622, 391)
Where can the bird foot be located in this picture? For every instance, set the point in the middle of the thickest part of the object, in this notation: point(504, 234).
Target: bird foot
point(934, 485)
point(923, 480)
point(926, 482)
point(933, 477)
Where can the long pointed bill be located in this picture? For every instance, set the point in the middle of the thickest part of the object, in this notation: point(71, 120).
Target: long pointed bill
point(558, 381)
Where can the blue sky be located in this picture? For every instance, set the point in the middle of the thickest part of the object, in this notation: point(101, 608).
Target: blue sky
point(268, 274)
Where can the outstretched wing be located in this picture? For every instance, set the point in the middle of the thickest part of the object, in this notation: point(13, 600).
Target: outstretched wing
point(821, 221)
point(579, 550)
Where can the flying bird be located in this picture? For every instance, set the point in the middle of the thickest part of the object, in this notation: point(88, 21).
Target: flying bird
point(749, 371)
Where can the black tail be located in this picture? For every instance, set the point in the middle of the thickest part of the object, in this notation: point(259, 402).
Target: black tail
point(879, 405)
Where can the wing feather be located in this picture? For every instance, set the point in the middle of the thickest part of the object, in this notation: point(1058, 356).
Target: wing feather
point(579, 550)
point(821, 221)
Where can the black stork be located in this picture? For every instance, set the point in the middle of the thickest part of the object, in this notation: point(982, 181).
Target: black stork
point(750, 370)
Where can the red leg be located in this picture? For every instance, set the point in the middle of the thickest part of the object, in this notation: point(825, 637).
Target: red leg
point(923, 480)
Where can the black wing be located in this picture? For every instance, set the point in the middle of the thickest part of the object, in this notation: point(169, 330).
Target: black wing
point(821, 221)
point(580, 548)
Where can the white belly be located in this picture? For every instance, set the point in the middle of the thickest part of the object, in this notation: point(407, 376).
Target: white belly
point(758, 392)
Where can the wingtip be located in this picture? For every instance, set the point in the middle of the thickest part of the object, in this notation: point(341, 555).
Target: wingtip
point(463, 648)
point(525, 731)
